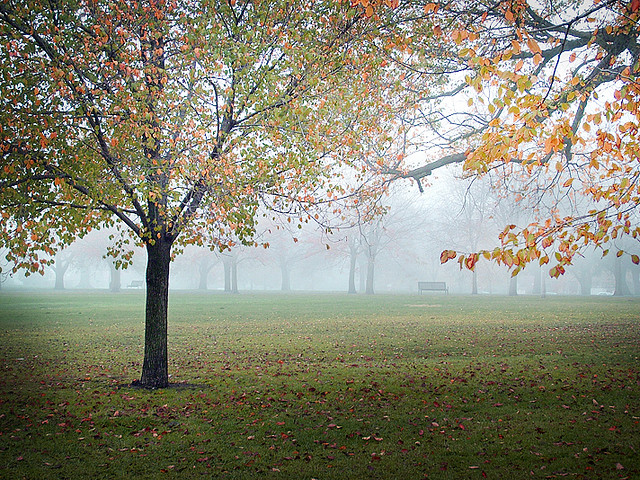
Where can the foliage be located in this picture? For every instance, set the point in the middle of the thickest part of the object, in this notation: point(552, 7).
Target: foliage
point(543, 97)
point(312, 386)
point(171, 119)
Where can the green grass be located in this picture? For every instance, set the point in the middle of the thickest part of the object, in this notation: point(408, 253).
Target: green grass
point(322, 386)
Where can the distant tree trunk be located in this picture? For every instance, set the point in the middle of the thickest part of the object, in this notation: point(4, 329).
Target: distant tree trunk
point(635, 277)
point(363, 273)
point(353, 261)
point(371, 263)
point(537, 282)
point(474, 282)
point(584, 274)
point(286, 276)
point(543, 283)
point(619, 272)
point(60, 270)
point(227, 275)
point(85, 277)
point(114, 278)
point(513, 286)
point(155, 372)
point(586, 283)
point(204, 267)
point(234, 275)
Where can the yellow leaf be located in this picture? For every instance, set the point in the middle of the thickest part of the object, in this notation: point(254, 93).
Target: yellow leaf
point(519, 65)
point(568, 182)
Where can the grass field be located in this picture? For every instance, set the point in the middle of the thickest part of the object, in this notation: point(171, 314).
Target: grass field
point(322, 387)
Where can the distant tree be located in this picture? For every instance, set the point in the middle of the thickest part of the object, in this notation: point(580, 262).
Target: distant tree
point(63, 260)
point(230, 262)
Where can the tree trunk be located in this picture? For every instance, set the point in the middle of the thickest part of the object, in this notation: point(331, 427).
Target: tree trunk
point(155, 368)
point(513, 286)
point(537, 282)
point(353, 260)
point(619, 273)
point(203, 269)
point(286, 277)
point(586, 282)
point(363, 273)
point(474, 282)
point(371, 264)
point(227, 274)
point(85, 277)
point(635, 277)
point(60, 270)
point(114, 280)
point(234, 275)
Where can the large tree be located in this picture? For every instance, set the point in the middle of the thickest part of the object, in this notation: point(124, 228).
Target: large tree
point(174, 121)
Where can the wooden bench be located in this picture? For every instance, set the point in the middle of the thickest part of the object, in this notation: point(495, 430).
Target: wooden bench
point(136, 284)
point(432, 287)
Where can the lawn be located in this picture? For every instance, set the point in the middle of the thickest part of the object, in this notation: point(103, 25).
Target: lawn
point(322, 387)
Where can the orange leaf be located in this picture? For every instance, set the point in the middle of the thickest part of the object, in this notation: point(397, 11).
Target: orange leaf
point(447, 255)
point(533, 46)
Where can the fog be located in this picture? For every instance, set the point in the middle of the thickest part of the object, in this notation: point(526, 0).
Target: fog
point(390, 253)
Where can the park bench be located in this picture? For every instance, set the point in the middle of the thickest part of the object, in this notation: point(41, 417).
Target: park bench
point(136, 284)
point(433, 287)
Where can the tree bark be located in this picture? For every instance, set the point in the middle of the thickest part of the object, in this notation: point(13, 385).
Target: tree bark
point(155, 367)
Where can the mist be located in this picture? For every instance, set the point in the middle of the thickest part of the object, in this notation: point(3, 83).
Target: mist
point(389, 253)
